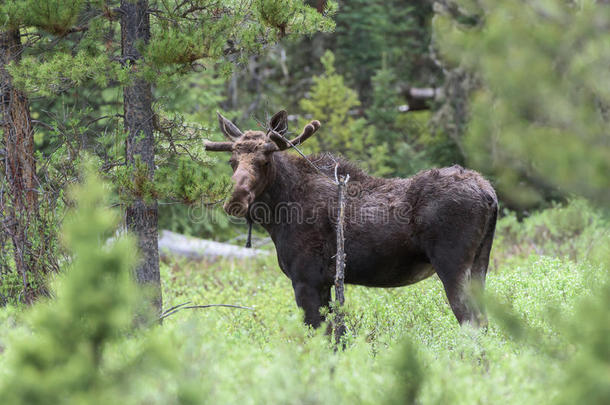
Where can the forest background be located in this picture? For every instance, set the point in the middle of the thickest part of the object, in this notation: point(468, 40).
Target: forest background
point(129, 89)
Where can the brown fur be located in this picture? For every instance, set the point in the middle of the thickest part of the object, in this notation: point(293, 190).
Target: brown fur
point(398, 231)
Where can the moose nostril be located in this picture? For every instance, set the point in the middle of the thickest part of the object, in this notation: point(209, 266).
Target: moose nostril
point(232, 208)
point(237, 207)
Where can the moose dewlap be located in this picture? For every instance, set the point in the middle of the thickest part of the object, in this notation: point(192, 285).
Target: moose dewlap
point(397, 231)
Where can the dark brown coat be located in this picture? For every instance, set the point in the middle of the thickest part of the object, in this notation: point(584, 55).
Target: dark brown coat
point(397, 231)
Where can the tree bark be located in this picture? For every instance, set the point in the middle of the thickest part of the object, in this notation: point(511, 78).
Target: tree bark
point(19, 164)
point(141, 214)
point(320, 6)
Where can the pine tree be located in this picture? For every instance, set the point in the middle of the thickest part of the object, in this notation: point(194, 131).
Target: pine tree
point(397, 30)
point(20, 212)
point(331, 102)
point(64, 361)
point(141, 215)
point(160, 44)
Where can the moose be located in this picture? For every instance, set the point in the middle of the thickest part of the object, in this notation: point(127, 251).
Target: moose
point(397, 231)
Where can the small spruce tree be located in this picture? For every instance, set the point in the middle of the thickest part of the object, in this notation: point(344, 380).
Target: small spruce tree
point(64, 360)
point(331, 102)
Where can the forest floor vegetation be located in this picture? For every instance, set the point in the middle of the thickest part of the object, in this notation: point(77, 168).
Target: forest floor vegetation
point(403, 345)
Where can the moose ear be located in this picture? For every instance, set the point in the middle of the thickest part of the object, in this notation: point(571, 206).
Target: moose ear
point(228, 128)
point(279, 122)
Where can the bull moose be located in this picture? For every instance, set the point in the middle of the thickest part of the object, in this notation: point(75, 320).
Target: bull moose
point(397, 231)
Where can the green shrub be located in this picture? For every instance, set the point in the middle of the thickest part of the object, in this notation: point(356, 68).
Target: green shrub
point(65, 358)
point(574, 230)
point(227, 355)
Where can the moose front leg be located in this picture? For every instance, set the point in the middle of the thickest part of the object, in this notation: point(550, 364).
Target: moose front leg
point(311, 299)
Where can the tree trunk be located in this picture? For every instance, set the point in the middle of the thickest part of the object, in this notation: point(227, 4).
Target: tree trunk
point(320, 6)
point(339, 321)
point(19, 166)
point(141, 213)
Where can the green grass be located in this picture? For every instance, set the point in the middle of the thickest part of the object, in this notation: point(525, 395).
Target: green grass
point(398, 339)
point(254, 357)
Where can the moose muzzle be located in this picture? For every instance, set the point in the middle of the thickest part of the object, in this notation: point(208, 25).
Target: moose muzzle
point(242, 196)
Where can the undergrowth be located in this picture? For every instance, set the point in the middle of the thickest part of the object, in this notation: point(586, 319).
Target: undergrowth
point(545, 288)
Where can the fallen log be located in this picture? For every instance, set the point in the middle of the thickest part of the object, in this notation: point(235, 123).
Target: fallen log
point(175, 244)
point(419, 98)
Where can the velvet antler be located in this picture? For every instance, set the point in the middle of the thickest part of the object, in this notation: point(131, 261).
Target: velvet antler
point(218, 146)
point(308, 131)
point(283, 144)
point(230, 131)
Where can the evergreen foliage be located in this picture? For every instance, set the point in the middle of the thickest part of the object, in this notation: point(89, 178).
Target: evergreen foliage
point(64, 360)
point(413, 144)
point(369, 31)
point(331, 101)
point(74, 68)
point(184, 34)
point(389, 38)
point(542, 107)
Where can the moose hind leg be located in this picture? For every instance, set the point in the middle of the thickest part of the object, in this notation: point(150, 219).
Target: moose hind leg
point(480, 265)
point(455, 273)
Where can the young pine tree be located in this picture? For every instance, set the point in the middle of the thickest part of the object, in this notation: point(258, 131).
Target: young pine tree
point(330, 101)
point(64, 360)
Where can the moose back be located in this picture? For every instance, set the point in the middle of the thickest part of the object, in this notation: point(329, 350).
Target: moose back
point(397, 231)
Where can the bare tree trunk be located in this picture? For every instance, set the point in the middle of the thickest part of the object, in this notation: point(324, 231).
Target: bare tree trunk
point(19, 165)
point(141, 214)
point(339, 321)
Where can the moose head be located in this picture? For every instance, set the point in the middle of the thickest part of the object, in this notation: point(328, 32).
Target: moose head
point(252, 157)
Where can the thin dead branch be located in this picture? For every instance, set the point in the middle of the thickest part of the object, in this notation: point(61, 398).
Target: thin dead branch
point(170, 311)
point(340, 257)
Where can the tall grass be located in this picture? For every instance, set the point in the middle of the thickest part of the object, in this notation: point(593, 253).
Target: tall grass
point(403, 344)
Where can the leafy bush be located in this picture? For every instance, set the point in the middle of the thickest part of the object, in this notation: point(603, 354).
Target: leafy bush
point(403, 344)
point(574, 230)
